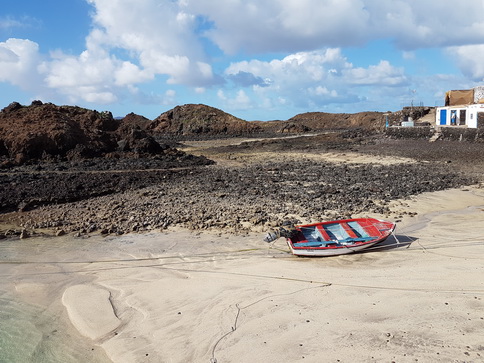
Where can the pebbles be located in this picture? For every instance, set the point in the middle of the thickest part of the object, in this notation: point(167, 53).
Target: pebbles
point(235, 199)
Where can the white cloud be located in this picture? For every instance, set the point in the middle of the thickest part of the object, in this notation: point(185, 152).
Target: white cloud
point(322, 91)
point(158, 34)
point(7, 56)
point(295, 25)
point(87, 77)
point(317, 78)
point(240, 101)
point(130, 43)
point(382, 74)
point(122, 51)
point(128, 73)
point(19, 59)
point(93, 95)
point(469, 59)
point(281, 25)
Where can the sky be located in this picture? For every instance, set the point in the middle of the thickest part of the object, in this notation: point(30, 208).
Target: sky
point(255, 59)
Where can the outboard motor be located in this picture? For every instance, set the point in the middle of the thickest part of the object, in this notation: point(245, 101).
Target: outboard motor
point(272, 236)
point(288, 232)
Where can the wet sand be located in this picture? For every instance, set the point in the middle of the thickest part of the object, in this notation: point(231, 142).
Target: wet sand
point(181, 296)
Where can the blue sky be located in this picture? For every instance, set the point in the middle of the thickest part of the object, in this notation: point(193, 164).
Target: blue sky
point(256, 59)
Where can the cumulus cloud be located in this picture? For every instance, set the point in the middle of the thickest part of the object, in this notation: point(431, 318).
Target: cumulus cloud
point(130, 43)
point(316, 78)
point(158, 34)
point(93, 76)
point(295, 25)
point(7, 55)
point(19, 59)
point(281, 25)
point(469, 59)
point(383, 74)
point(240, 101)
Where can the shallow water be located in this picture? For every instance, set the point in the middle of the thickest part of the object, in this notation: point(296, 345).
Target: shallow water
point(18, 335)
point(33, 323)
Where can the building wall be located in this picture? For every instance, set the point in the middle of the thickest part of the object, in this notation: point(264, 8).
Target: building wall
point(466, 116)
point(478, 94)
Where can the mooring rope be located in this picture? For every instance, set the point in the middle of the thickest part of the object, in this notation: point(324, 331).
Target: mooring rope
point(239, 309)
point(208, 254)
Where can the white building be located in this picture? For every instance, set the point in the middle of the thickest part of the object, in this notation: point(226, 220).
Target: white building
point(462, 108)
point(465, 115)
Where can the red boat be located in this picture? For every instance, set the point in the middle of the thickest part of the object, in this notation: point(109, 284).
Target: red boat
point(337, 237)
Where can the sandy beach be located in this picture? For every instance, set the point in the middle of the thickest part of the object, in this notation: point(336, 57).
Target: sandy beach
point(181, 296)
point(137, 240)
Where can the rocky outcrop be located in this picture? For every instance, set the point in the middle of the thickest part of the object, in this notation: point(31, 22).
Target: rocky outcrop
point(42, 131)
point(55, 133)
point(133, 137)
point(200, 119)
point(131, 122)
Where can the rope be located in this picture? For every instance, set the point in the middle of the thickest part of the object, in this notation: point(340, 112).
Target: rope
point(211, 254)
point(239, 309)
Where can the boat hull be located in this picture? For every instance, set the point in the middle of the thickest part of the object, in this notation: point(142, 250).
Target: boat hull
point(339, 237)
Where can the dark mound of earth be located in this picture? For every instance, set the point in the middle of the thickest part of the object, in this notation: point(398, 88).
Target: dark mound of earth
point(321, 121)
point(46, 132)
point(200, 119)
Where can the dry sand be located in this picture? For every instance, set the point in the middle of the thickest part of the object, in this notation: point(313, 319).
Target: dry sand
point(183, 297)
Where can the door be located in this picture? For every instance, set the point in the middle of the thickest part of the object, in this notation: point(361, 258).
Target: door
point(480, 119)
point(462, 117)
point(443, 117)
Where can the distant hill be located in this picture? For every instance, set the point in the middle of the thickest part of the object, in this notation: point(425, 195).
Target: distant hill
point(320, 121)
point(200, 119)
point(323, 120)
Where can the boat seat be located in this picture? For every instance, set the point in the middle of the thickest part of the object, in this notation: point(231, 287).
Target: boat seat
point(358, 229)
point(315, 244)
point(336, 231)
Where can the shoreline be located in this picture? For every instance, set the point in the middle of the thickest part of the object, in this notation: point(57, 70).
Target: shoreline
point(187, 296)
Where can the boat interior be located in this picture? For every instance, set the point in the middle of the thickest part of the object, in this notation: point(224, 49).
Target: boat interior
point(337, 234)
